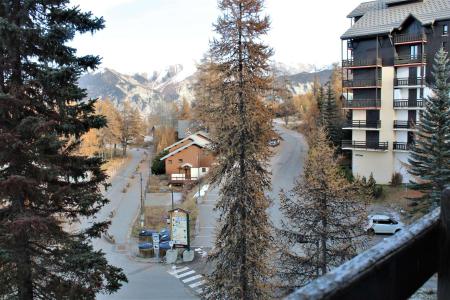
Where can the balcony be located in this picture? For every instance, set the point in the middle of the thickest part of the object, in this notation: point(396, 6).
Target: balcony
point(361, 63)
point(419, 81)
point(410, 60)
point(407, 125)
point(402, 146)
point(395, 268)
point(408, 103)
point(407, 39)
point(362, 124)
point(362, 104)
point(362, 83)
point(365, 145)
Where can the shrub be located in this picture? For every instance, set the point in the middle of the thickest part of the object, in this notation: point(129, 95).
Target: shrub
point(158, 166)
point(397, 179)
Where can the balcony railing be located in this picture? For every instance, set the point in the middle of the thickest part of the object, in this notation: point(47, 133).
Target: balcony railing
point(361, 63)
point(362, 124)
point(362, 103)
point(408, 103)
point(365, 145)
point(410, 59)
point(410, 38)
point(409, 81)
point(402, 146)
point(395, 268)
point(361, 83)
point(405, 124)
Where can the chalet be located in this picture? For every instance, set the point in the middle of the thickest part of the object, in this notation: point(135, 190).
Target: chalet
point(188, 159)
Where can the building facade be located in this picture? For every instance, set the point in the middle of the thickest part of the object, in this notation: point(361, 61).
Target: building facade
point(387, 63)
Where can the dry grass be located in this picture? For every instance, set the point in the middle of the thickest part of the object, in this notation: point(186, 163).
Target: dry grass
point(113, 165)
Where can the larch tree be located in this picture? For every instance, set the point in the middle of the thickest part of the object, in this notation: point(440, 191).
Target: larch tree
point(129, 121)
point(241, 255)
point(109, 134)
point(44, 184)
point(185, 113)
point(324, 218)
point(430, 155)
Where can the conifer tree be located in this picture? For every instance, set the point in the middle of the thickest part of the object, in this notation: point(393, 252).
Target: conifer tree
point(44, 184)
point(331, 116)
point(240, 258)
point(324, 218)
point(430, 156)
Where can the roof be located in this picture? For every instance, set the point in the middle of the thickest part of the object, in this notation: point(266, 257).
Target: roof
point(379, 18)
point(183, 148)
point(200, 137)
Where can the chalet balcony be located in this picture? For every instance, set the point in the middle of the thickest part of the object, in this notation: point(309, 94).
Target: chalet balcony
point(406, 39)
point(398, 146)
point(407, 125)
point(362, 104)
point(419, 81)
point(180, 179)
point(361, 83)
point(361, 63)
point(365, 145)
point(362, 124)
point(408, 103)
point(395, 268)
point(410, 60)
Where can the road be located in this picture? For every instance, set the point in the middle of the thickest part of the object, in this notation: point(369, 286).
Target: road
point(145, 280)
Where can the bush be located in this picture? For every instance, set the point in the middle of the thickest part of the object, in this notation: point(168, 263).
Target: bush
point(397, 179)
point(158, 166)
point(371, 187)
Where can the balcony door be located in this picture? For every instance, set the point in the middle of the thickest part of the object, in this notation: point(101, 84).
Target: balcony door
point(414, 52)
point(412, 116)
point(412, 97)
point(372, 118)
point(372, 139)
point(413, 76)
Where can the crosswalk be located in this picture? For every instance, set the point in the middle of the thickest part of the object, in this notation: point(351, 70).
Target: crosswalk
point(188, 277)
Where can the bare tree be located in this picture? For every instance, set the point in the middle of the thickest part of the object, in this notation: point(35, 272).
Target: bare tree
point(240, 259)
point(129, 125)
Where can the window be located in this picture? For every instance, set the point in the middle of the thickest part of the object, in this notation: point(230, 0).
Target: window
point(170, 162)
point(444, 45)
point(445, 29)
point(180, 161)
point(203, 170)
point(414, 51)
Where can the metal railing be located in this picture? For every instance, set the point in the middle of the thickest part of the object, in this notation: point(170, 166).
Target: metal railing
point(352, 63)
point(408, 103)
point(400, 146)
point(361, 83)
point(410, 59)
point(362, 124)
point(181, 179)
point(405, 124)
point(409, 81)
point(365, 145)
point(362, 103)
point(395, 268)
point(410, 38)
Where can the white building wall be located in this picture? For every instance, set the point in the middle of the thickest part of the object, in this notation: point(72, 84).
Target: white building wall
point(401, 165)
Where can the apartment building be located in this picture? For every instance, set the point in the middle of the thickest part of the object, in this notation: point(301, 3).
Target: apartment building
point(387, 58)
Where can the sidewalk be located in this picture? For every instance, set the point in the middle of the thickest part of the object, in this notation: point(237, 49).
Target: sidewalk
point(207, 220)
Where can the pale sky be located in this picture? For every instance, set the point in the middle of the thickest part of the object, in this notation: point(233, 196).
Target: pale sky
point(146, 35)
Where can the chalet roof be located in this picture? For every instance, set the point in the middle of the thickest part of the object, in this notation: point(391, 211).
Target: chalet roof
point(200, 137)
point(201, 145)
point(379, 18)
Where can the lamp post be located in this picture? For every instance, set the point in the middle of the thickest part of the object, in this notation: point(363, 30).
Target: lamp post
point(142, 203)
point(171, 189)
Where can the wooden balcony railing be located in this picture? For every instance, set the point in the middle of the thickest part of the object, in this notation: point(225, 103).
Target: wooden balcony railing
point(362, 124)
point(409, 81)
point(395, 268)
point(410, 59)
point(405, 124)
point(362, 63)
point(365, 145)
point(408, 103)
point(410, 38)
point(361, 83)
point(362, 103)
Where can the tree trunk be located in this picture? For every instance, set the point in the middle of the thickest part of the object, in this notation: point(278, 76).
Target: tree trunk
point(24, 273)
point(124, 150)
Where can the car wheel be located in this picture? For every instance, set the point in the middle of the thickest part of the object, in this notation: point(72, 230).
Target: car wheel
point(371, 231)
point(397, 230)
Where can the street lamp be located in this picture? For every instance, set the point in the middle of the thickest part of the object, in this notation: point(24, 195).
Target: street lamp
point(171, 189)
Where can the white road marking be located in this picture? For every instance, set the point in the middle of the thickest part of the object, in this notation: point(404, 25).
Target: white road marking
point(178, 271)
point(185, 274)
point(192, 278)
point(194, 285)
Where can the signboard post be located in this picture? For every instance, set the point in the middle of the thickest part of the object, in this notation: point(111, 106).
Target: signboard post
point(179, 224)
point(155, 238)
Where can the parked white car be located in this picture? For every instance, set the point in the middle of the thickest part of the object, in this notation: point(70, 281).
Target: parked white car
point(382, 224)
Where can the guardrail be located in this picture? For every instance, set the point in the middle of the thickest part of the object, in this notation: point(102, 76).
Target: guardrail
point(409, 81)
point(408, 103)
point(395, 268)
point(362, 124)
point(359, 63)
point(405, 124)
point(365, 145)
point(410, 38)
point(410, 59)
point(362, 103)
point(361, 83)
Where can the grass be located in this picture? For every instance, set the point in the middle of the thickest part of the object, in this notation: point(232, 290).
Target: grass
point(114, 164)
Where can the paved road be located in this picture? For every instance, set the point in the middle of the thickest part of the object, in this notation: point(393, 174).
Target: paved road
point(146, 280)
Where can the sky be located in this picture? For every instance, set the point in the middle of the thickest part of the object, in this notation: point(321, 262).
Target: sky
point(146, 35)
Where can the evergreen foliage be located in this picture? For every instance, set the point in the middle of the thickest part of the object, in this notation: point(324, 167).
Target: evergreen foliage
point(44, 184)
point(331, 116)
point(158, 166)
point(324, 218)
point(430, 156)
point(241, 254)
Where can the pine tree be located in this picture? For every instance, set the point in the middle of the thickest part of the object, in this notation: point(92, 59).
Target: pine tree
point(240, 258)
point(44, 184)
point(324, 218)
point(331, 116)
point(430, 156)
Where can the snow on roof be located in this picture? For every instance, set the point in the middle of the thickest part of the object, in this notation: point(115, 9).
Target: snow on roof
point(199, 137)
point(201, 145)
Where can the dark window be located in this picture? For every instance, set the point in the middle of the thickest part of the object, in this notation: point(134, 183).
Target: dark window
point(444, 45)
point(203, 170)
point(445, 29)
point(180, 160)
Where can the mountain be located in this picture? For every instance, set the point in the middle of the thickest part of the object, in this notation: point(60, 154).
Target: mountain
point(155, 92)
